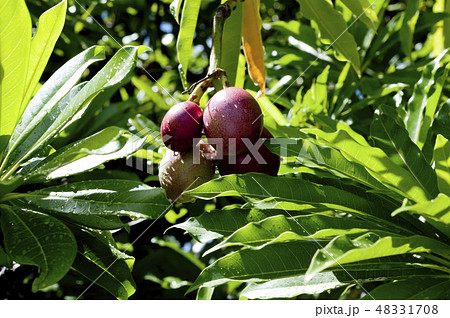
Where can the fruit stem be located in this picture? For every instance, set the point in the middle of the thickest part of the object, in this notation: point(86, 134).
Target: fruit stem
point(222, 13)
point(199, 90)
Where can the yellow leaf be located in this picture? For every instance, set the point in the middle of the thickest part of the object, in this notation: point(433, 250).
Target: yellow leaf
point(253, 48)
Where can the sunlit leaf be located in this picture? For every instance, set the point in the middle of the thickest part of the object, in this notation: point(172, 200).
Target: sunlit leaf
point(442, 162)
point(15, 38)
point(101, 197)
point(49, 28)
point(333, 28)
point(390, 135)
point(342, 250)
point(185, 38)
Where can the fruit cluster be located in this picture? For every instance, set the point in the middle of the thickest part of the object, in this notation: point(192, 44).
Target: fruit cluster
point(233, 123)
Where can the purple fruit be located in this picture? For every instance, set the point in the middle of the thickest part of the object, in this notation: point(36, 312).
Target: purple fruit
point(181, 125)
point(247, 162)
point(179, 172)
point(231, 115)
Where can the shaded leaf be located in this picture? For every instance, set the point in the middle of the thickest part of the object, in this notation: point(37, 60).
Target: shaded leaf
point(100, 261)
point(413, 289)
point(38, 239)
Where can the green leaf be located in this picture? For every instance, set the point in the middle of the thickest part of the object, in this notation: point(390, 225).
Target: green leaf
point(333, 28)
point(430, 109)
point(413, 289)
point(256, 187)
point(343, 250)
point(376, 162)
point(311, 154)
point(10, 185)
point(49, 28)
point(406, 32)
point(442, 163)
point(219, 223)
point(390, 135)
point(303, 227)
point(5, 260)
point(15, 38)
point(38, 239)
point(204, 293)
point(175, 9)
point(50, 94)
point(363, 11)
point(231, 43)
point(288, 259)
point(296, 285)
point(436, 212)
point(292, 286)
point(185, 38)
point(418, 101)
point(108, 144)
point(100, 261)
point(101, 197)
point(43, 129)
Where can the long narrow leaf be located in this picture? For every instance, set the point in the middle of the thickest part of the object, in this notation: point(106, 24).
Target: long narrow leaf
point(49, 28)
point(15, 38)
point(376, 162)
point(390, 135)
point(442, 161)
point(343, 250)
point(333, 28)
point(44, 130)
point(185, 38)
point(101, 197)
point(108, 144)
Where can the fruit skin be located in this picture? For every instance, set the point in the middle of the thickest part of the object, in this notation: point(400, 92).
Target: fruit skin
point(232, 113)
point(241, 166)
point(181, 124)
point(178, 171)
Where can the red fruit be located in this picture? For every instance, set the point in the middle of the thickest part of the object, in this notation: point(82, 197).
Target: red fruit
point(231, 115)
point(181, 124)
point(247, 162)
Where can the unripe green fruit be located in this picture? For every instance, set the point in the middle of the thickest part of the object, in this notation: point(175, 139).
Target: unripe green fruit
point(179, 172)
